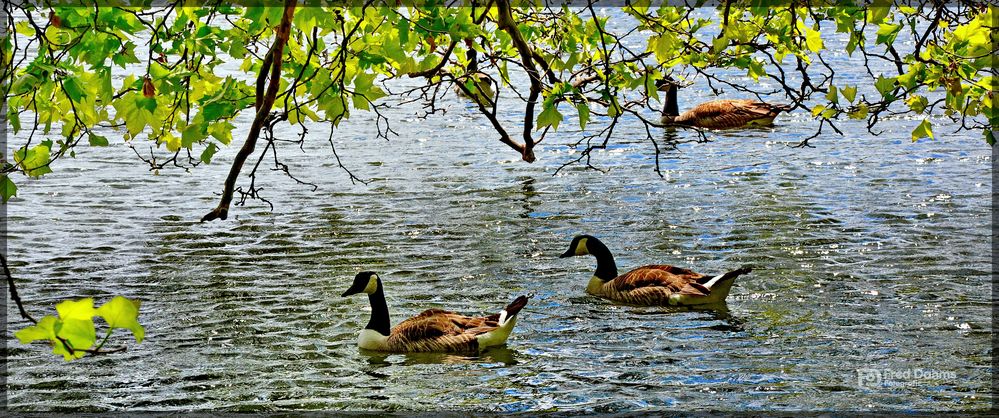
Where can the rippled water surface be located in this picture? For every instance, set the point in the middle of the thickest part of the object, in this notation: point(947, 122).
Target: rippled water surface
point(870, 253)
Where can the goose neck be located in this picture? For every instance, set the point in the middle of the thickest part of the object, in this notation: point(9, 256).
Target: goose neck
point(379, 312)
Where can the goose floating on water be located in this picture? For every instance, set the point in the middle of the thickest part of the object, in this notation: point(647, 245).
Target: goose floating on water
point(434, 330)
point(717, 114)
point(652, 285)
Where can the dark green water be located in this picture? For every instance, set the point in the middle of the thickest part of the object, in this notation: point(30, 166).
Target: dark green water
point(871, 253)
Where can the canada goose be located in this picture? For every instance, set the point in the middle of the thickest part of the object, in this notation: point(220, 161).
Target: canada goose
point(717, 114)
point(434, 330)
point(482, 86)
point(658, 285)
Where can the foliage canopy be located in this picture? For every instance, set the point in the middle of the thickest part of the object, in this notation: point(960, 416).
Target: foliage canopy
point(316, 63)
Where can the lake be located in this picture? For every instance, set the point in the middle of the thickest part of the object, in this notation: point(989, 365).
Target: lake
point(871, 287)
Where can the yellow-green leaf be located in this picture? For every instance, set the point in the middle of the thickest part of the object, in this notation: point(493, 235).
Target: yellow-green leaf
point(78, 333)
point(877, 13)
point(917, 103)
point(813, 39)
point(121, 312)
point(76, 309)
point(833, 95)
point(924, 130)
point(849, 92)
point(43, 330)
point(860, 112)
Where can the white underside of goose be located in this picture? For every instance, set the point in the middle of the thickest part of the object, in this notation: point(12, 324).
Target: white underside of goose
point(370, 339)
point(593, 287)
point(719, 291)
point(499, 335)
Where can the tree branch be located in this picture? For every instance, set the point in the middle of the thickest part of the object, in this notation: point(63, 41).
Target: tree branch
point(263, 107)
point(505, 21)
point(13, 291)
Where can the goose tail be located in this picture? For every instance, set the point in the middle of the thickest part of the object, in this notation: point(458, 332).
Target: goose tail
point(727, 277)
point(513, 309)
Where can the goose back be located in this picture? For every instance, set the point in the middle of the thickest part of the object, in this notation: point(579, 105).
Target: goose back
point(436, 330)
point(722, 114)
point(653, 285)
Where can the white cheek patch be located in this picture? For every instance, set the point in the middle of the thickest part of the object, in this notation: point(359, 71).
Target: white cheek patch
point(581, 247)
point(372, 284)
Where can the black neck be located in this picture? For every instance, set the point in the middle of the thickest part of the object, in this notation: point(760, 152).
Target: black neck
point(379, 312)
point(606, 268)
point(671, 108)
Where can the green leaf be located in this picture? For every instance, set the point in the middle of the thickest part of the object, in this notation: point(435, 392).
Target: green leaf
point(924, 130)
point(876, 14)
point(887, 33)
point(885, 85)
point(222, 132)
point(990, 137)
point(173, 143)
point(208, 153)
point(719, 44)
point(24, 84)
point(73, 89)
point(7, 188)
point(123, 313)
point(833, 95)
point(34, 162)
point(584, 114)
point(15, 119)
point(403, 29)
point(756, 69)
point(550, 116)
point(98, 141)
point(194, 132)
point(43, 330)
point(663, 46)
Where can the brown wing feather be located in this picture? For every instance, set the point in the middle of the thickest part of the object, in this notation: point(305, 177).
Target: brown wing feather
point(718, 114)
point(440, 330)
point(671, 277)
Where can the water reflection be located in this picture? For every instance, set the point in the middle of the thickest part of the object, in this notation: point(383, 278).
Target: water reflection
point(501, 354)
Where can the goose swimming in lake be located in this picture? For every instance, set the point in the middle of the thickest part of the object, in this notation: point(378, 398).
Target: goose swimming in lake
point(717, 114)
point(434, 330)
point(653, 285)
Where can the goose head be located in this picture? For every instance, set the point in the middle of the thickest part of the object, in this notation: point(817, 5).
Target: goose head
point(667, 83)
point(578, 246)
point(364, 282)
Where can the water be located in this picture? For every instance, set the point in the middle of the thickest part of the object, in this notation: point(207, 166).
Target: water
point(870, 253)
